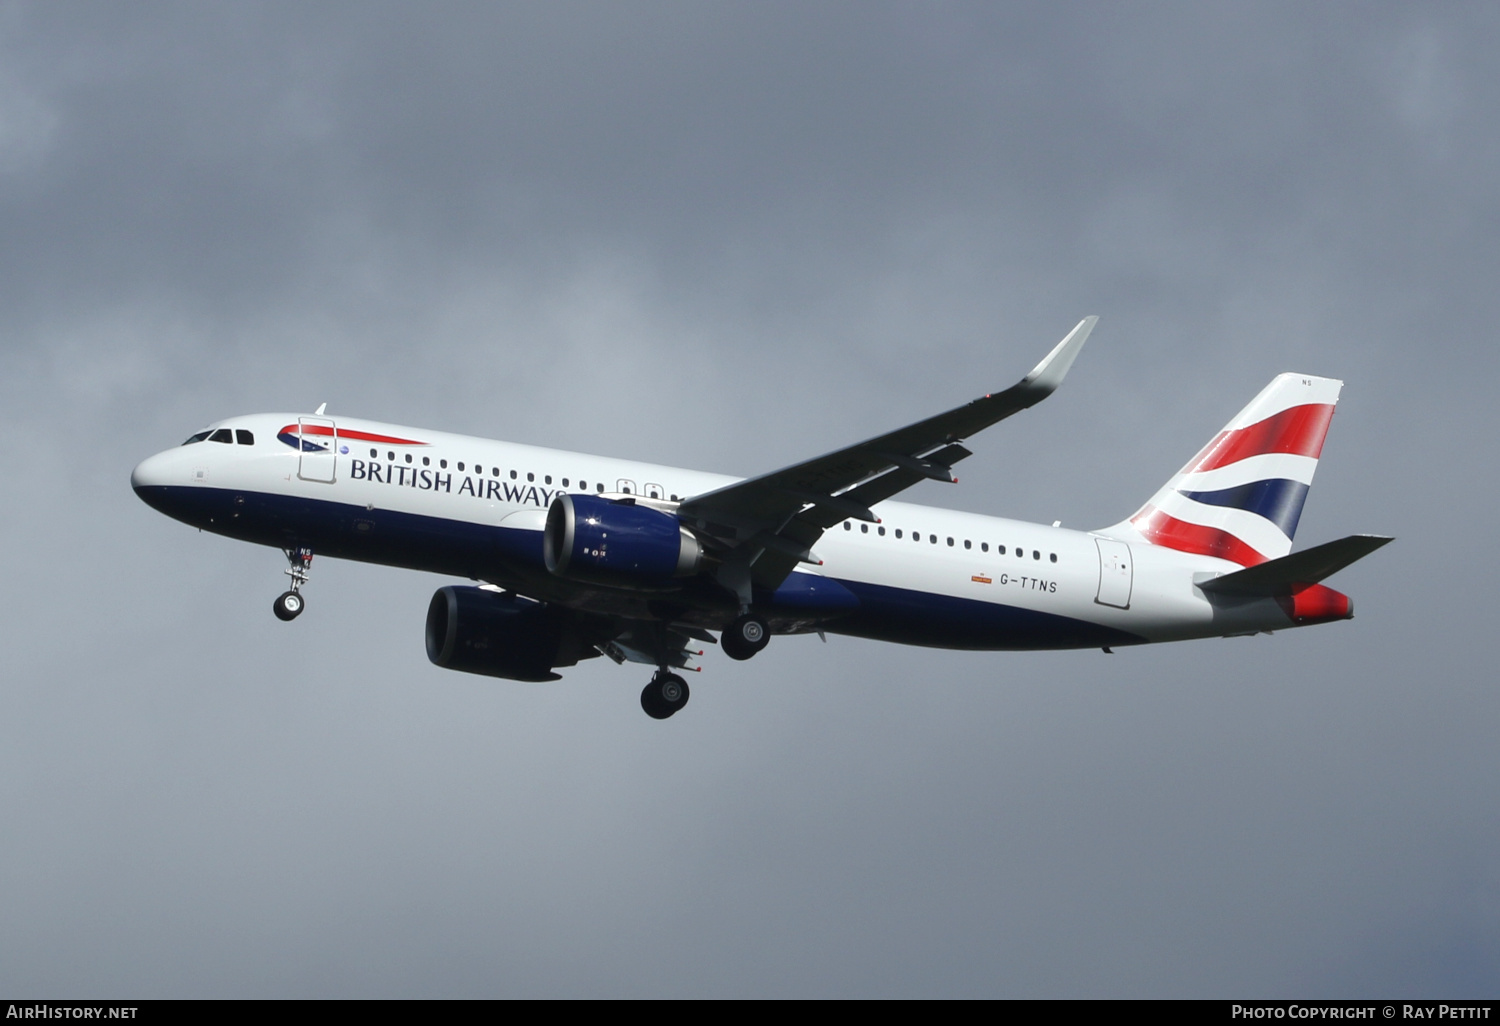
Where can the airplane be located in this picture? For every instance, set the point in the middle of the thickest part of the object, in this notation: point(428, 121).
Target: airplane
point(577, 556)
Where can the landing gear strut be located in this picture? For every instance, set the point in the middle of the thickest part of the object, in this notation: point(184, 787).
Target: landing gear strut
point(666, 694)
point(745, 637)
point(289, 604)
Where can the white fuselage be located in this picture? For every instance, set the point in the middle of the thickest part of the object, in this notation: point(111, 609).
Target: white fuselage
point(432, 500)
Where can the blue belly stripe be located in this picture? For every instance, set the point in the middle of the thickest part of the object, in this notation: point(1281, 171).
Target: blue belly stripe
point(944, 621)
point(462, 549)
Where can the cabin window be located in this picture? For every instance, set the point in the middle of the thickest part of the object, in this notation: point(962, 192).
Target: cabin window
point(932, 538)
point(880, 531)
point(950, 543)
point(916, 536)
point(426, 462)
point(530, 476)
point(512, 475)
point(460, 465)
point(374, 454)
point(243, 437)
point(221, 435)
point(1020, 553)
point(547, 479)
point(583, 485)
point(848, 526)
point(984, 546)
point(565, 483)
point(864, 528)
point(898, 532)
point(443, 464)
point(1000, 549)
point(494, 472)
point(968, 544)
point(1054, 557)
point(390, 455)
point(408, 457)
point(599, 487)
point(1036, 554)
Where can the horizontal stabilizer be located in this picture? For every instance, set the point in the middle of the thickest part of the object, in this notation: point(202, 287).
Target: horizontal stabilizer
point(1278, 576)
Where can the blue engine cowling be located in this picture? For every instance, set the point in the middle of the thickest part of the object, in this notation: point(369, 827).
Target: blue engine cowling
point(501, 635)
point(603, 541)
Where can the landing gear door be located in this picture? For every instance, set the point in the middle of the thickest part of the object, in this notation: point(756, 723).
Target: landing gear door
point(318, 442)
point(1116, 573)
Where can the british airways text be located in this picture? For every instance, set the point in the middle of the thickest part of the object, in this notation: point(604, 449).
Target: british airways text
point(427, 480)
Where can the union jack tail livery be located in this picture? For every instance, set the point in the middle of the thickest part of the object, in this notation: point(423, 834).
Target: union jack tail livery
point(1240, 498)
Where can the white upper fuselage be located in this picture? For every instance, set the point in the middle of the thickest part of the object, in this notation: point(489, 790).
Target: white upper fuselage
point(915, 550)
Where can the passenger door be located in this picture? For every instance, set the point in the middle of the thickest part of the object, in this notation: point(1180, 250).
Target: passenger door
point(318, 441)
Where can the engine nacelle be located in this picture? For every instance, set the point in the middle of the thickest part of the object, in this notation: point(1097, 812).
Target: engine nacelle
point(600, 541)
point(501, 635)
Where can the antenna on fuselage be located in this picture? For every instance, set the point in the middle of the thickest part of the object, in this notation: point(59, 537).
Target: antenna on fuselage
point(319, 411)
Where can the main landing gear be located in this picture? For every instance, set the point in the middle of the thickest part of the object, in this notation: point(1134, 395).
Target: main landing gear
point(289, 604)
point(666, 694)
point(745, 637)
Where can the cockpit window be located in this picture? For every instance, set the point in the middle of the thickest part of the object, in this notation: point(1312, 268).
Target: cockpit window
point(200, 436)
point(243, 437)
point(221, 435)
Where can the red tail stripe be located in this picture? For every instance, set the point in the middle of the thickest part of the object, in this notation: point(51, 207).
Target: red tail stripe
point(1317, 604)
point(361, 436)
point(1166, 530)
point(1299, 431)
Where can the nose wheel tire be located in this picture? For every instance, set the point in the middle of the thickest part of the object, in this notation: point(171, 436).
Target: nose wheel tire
point(666, 694)
point(745, 637)
point(288, 605)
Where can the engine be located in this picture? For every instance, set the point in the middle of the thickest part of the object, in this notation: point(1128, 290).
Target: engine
point(502, 635)
point(602, 541)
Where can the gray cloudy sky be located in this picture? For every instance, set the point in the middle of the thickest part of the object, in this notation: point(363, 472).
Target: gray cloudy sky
point(728, 237)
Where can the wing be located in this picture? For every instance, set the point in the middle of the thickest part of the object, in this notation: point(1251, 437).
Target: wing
point(768, 524)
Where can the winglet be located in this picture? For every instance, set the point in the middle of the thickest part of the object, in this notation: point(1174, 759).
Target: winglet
point(1047, 375)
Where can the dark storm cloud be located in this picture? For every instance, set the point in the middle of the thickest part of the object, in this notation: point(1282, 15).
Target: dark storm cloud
point(729, 236)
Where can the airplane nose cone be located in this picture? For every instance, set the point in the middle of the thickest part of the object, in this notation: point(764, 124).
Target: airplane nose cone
point(153, 479)
point(149, 473)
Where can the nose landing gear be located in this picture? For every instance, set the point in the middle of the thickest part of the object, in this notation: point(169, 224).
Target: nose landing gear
point(289, 604)
point(665, 695)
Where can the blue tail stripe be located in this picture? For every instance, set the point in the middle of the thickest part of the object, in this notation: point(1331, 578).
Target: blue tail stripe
point(1278, 500)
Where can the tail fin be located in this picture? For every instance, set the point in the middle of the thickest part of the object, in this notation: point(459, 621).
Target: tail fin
point(1241, 497)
